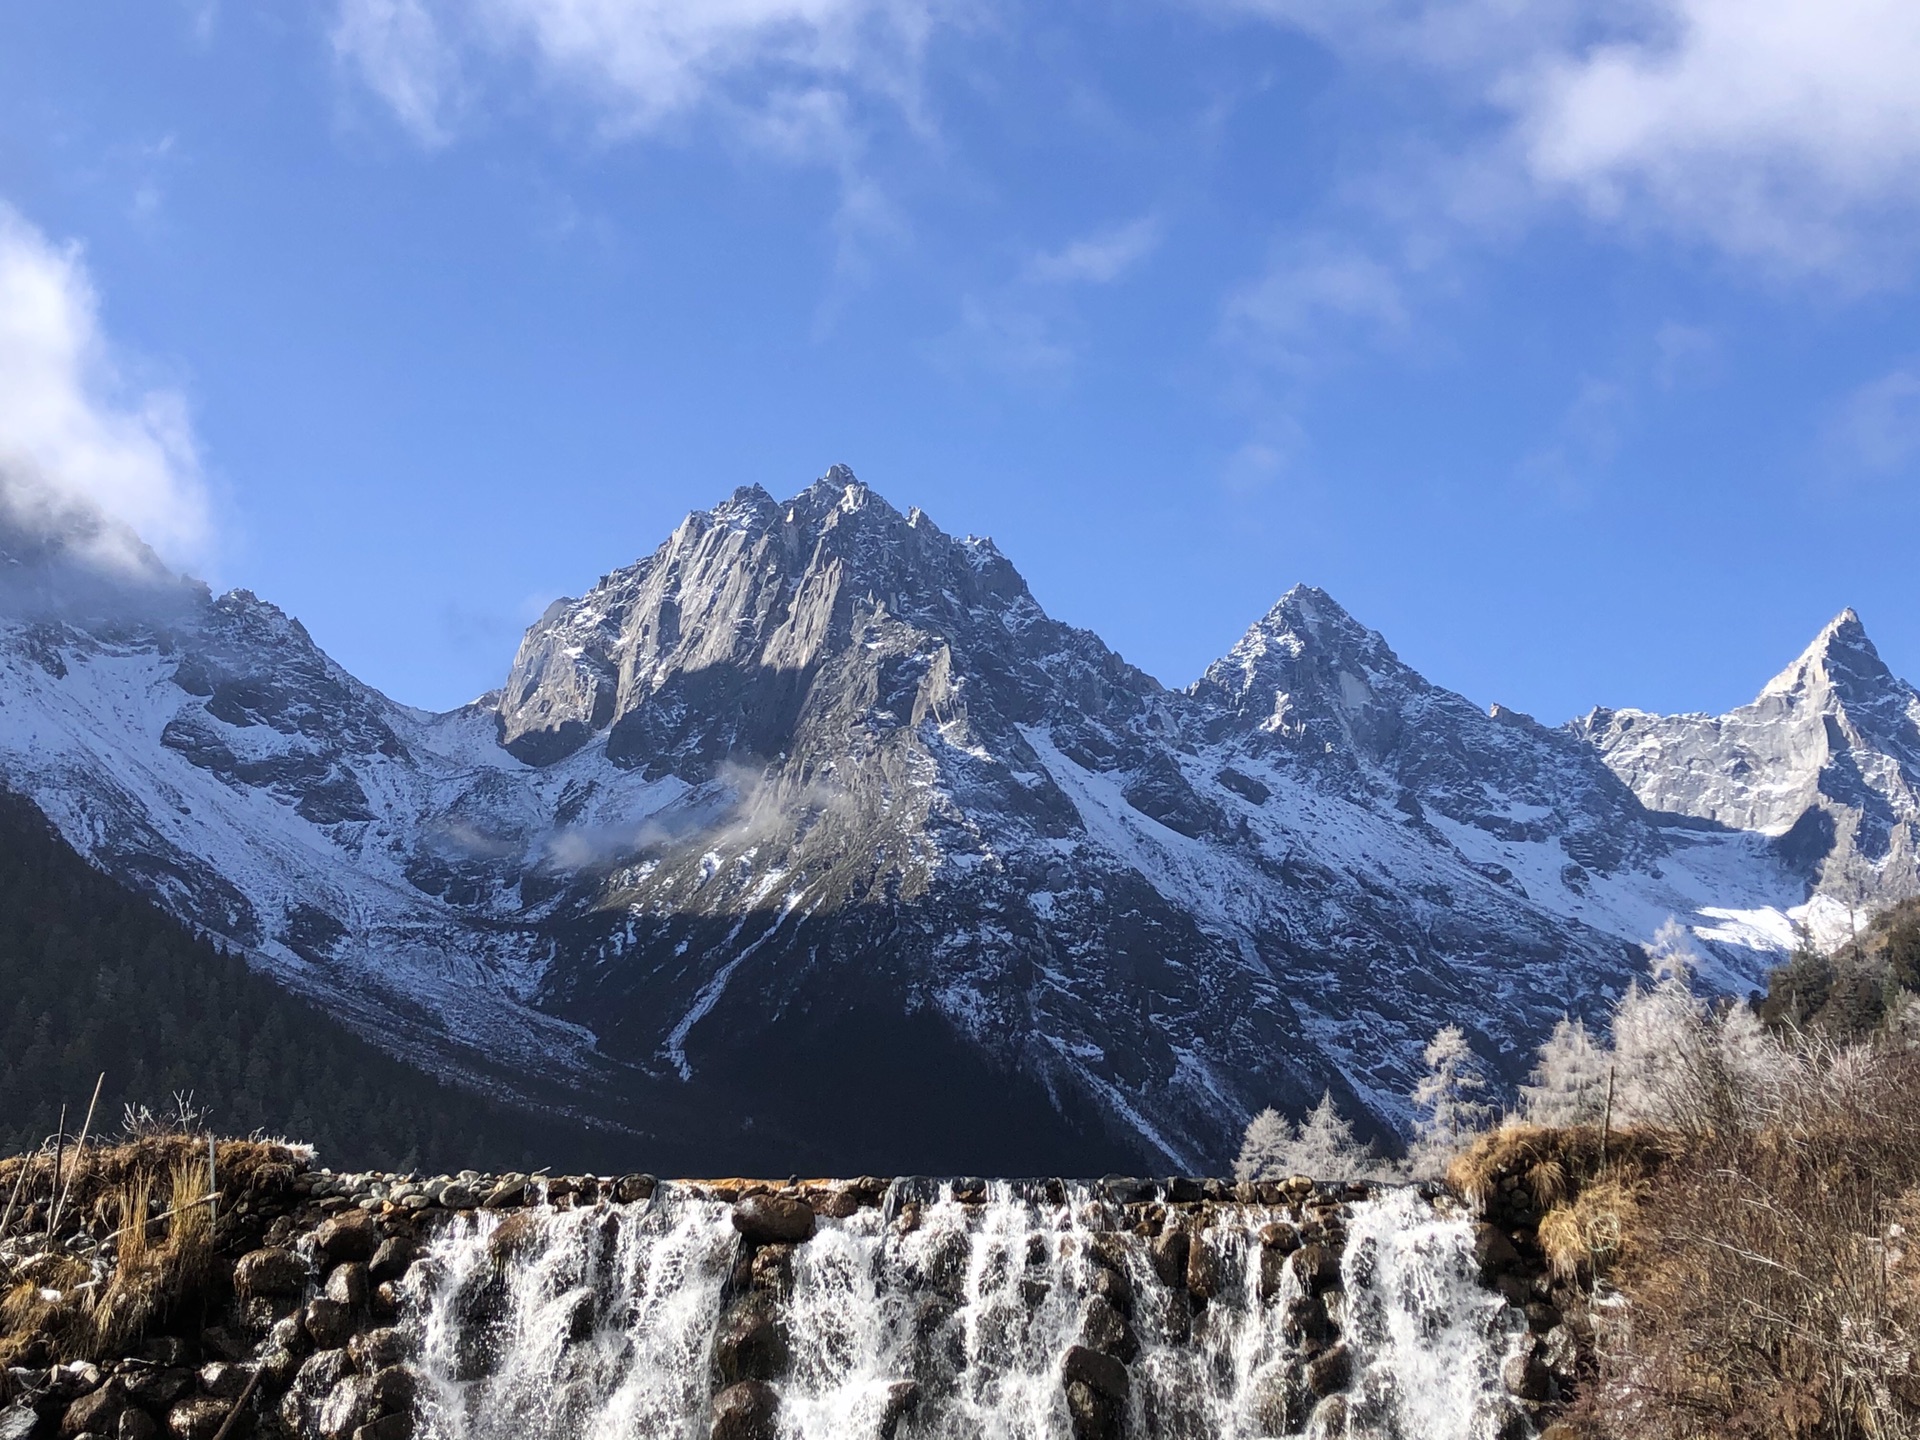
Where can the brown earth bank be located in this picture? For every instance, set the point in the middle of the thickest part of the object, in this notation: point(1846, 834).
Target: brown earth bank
point(138, 1303)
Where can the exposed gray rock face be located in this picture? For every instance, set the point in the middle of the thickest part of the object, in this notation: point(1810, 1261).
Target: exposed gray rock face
point(811, 838)
point(1826, 760)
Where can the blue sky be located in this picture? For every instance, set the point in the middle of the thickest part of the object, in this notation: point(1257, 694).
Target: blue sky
point(1574, 347)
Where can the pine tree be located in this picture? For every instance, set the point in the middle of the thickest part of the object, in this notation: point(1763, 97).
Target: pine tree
point(1569, 1082)
point(1447, 1094)
point(1266, 1148)
point(1326, 1149)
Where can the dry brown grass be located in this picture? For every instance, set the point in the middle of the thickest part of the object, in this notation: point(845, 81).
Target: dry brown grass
point(115, 1268)
point(1552, 1164)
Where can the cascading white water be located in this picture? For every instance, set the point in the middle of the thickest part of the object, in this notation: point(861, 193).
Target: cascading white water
point(600, 1322)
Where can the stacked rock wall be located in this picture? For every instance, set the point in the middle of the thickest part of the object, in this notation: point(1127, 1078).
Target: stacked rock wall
point(313, 1321)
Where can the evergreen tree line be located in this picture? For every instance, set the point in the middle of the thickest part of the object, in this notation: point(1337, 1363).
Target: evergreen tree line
point(95, 979)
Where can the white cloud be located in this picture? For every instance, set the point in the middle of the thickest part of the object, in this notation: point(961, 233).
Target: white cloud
point(400, 54)
point(71, 430)
point(1313, 292)
point(1785, 132)
point(637, 63)
point(1879, 426)
point(1780, 129)
point(1098, 259)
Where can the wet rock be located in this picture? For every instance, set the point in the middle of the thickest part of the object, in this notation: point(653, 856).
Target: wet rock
point(347, 1285)
point(394, 1390)
point(903, 1398)
point(631, 1189)
point(747, 1411)
point(1315, 1267)
point(289, 1334)
point(373, 1350)
point(1278, 1400)
point(1206, 1267)
point(1281, 1235)
point(1560, 1352)
point(1126, 1190)
point(278, 1365)
point(1092, 1415)
point(1331, 1371)
point(66, 1382)
point(222, 1344)
point(1096, 1387)
point(398, 1426)
point(199, 1417)
point(509, 1193)
point(838, 1204)
point(750, 1344)
point(169, 1350)
point(1493, 1251)
point(1168, 1255)
point(1525, 1377)
point(1329, 1420)
point(269, 1272)
point(1114, 1287)
point(1102, 1373)
point(773, 1219)
point(347, 1407)
point(1305, 1323)
point(347, 1238)
point(940, 1263)
point(1184, 1190)
point(392, 1259)
point(224, 1381)
point(772, 1269)
point(136, 1424)
point(96, 1413)
point(317, 1378)
point(157, 1389)
point(327, 1323)
point(1105, 1329)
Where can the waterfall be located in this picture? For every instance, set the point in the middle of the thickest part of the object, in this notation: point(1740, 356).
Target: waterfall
point(1004, 1312)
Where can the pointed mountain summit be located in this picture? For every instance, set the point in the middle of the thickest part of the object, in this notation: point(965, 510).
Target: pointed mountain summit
point(1826, 759)
point(810, 842)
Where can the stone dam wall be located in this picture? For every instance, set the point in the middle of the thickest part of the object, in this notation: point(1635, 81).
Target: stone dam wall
point(468, 1307)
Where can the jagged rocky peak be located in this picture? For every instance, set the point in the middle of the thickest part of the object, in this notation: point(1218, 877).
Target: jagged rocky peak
point(709, 646)
point(1826, 758)
point(1305, 659)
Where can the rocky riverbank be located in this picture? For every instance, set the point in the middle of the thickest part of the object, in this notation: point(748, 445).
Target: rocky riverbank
point(305, 1318)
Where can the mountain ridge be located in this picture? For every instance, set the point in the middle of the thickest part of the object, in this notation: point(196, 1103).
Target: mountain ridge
point(816, 780)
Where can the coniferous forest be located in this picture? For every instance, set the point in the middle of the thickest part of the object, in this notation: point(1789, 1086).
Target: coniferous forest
point(94, 979)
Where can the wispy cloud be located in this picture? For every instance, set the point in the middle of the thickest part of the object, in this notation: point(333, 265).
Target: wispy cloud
point(636, 65)
point(1780, 132)
point(1314, 293)
point(73, 432)
point(1584, 444)
point(1098, 259)
point(1878, 428)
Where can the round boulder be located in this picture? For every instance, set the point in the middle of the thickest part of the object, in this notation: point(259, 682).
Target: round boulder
point(747, 1411)
point(269, 1271)
point(773, 1219)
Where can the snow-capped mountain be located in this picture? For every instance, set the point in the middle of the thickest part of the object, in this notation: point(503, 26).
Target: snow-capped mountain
point(1827, 760)
point(810, 839)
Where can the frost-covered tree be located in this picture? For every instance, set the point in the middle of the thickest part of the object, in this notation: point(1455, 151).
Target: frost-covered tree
point(1325, 1147)
point(1267, 1148)
point(1661, 1043)
point(1448, 1093)
point(1569, 1082)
